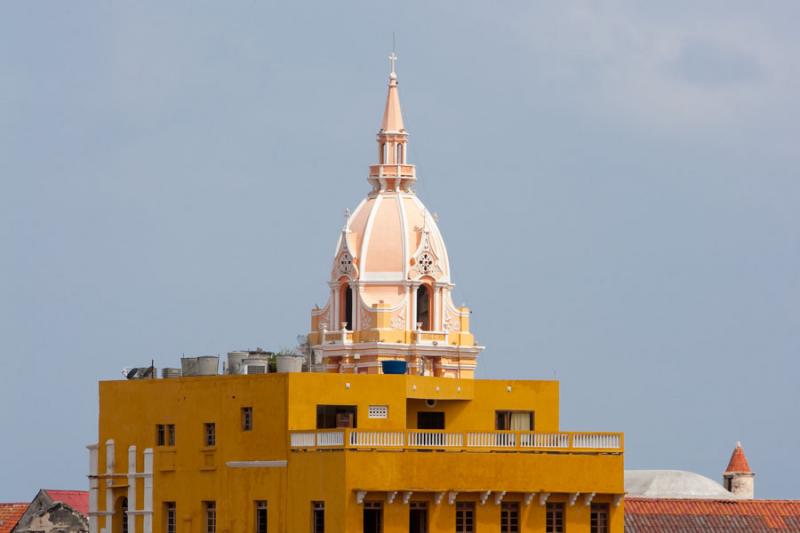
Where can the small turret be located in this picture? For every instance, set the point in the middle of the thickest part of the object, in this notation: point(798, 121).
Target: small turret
point(738, 478)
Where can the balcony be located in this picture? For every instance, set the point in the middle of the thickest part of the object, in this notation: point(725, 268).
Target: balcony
point(458, 441)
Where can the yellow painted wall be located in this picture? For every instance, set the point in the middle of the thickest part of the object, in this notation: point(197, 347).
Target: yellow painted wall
point(189, 473)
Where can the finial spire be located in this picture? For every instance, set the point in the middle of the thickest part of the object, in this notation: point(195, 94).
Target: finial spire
point(393, 62)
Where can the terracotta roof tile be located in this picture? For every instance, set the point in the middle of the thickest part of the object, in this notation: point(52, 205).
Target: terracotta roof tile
point(77, 499)
point(644, 515)
point(10, 513)
point(738, 462)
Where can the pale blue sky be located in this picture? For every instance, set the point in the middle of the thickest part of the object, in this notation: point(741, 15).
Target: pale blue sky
point(173, 177)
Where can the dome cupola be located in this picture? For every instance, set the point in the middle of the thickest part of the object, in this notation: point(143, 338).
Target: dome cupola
point(390, 280)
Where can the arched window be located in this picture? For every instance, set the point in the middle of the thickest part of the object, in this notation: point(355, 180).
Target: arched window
point(383, 154)
point(424, 307)
point(347, 306)
point(124, 515)
point(400, 153)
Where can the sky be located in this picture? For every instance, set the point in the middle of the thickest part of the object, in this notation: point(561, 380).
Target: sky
point(617, 184)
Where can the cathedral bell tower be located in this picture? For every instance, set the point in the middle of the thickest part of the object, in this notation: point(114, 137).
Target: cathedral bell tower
point(390, 284)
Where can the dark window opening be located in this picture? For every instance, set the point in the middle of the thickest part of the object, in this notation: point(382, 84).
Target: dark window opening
point(599, 518)
point(161, 439)
point(373, 517)
point(317, 517)
point(247, 418)
point(514, 420)
point(170, 434)
point(347, 317)
point(509, 517)
point(554, 522)
point(465, 517)
point(210, 434)
point(124, 514)
point(170, 517)
point(418, 518)
point(336, 416)
point(261, 516)
point(210, 509)
point(423, 308)
point(430, 420)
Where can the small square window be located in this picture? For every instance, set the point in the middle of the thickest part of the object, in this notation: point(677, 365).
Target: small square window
point(210, 434)
point(378, 411)
point(247, 418)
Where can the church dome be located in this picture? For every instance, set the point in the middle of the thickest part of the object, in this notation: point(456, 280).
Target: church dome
point(391, 237)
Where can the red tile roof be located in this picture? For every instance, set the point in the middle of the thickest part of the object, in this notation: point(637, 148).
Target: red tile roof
point(77, 499)
point(644, 515)
point(738, 462)
point(10, 513)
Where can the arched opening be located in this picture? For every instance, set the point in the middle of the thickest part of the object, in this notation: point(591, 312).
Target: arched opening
point(121, 515)
point(400, 153)
point(424, 307)
point(383, 154)
point(347, 306)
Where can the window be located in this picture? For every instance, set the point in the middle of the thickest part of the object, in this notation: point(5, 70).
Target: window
point(124, 507)
point(336, 416)
point(347, 307)
point(165, 434)
point(378, 411)
point(170, 517)
point(599, 518)
point(317, 517)
point(210, 509)
point(514, 420)
point(418, 517)
point(210, 434)
point(261, 516)
point(373, 517)
point(465, 517)
point(430, 420)
point(423, 308)
point(247, 418)
point(555, 518)
point(509, 517)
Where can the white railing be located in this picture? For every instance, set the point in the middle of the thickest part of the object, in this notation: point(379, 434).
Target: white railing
point(486, 441)
point(544, 440)
point(377, 439)
point(597, 441)
point(304, 439)
point(437, 439)
point(330, 438)
point(491, 439)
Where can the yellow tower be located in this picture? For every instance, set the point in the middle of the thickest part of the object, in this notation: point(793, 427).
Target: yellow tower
point(390, 283)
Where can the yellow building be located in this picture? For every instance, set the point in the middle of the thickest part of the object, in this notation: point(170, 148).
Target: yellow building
point(356, 444)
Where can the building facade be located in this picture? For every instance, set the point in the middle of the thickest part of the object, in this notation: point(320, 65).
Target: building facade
point(352, 446)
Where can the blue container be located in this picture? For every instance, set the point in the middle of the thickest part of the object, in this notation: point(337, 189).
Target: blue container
point(394, 367)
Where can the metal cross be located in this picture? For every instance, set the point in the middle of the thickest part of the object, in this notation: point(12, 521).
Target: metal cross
point(393, 60)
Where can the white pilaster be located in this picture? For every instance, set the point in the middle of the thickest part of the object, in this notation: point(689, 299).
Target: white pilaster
point(132, 488)
point(93, 487)
point(148, 491)
point(110, 462)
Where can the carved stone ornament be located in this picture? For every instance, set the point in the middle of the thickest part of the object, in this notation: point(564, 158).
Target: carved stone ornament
point(452, 324)
point(366, 320)
point(398, 322)
point(345, 264)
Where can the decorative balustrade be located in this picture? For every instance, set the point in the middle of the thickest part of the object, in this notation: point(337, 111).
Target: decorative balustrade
point(413, 439)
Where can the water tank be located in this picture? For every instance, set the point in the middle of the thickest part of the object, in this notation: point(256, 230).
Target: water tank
point(203, 365)
point(167, 373)
point(256, 363)
point(290, 363)
point(394, 367)
point(235, 362)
